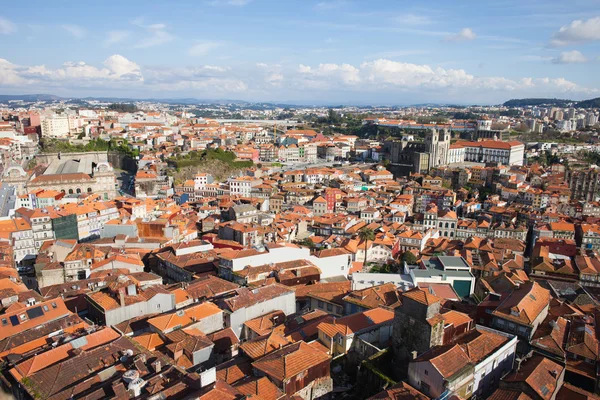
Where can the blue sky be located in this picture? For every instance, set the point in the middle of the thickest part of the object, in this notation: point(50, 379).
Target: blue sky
point(332, 51)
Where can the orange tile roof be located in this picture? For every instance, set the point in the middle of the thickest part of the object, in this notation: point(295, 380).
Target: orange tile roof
point(260, 346)
point(356, 322)
point(400, 391)
point(540, 374)
point(50, 310)
point(290, 361)
point(260, 388)
point(63, 352)
point(149, 340)
point(524, 304)
point(448, 362)
point(184, 317)
point(422, 296)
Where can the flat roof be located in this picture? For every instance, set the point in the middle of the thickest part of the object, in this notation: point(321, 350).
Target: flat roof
point(431, 272)
point(453, 262)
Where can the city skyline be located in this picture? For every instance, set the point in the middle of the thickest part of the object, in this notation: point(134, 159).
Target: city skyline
point(337, 51)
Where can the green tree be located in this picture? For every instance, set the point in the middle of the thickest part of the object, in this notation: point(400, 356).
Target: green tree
point(307, 242)
point(409, 258)
point(366, 234)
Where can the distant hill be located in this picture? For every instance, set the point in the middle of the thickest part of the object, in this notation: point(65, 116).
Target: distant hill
point(537, 102)
point(591, 103)
point(29, 97)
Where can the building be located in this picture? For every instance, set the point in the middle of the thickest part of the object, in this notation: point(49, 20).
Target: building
point(298, 370)
point(584, 184)
point(473, 365)
point(76, 176)
point(342, 334)
point(496, 152)
point(56, 126)
point(422, 156)
point(522, 311)
point(126, 302)
point(247, 304)
point(40, 222)
point(444, 269)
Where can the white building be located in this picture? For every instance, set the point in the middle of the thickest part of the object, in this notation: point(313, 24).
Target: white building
point(242, 186)
point(331, 262)
point(492, 151)
point(477, 374)
point(252, 303)
point(456, 154)
point(56, 126)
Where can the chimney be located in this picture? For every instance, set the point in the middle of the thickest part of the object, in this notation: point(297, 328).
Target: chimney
point(157, 366)
point(122, 297)
point(413, 354)
point(131, 290)
point(554, 373)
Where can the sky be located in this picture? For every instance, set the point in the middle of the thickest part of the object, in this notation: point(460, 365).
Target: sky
point(305, 52)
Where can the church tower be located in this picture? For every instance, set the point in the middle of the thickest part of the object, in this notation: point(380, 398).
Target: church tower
point(444, 146)
point(431, 142)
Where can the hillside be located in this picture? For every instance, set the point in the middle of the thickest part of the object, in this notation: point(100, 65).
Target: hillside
point(537, 102)
point(219, 163)
point(591, 103)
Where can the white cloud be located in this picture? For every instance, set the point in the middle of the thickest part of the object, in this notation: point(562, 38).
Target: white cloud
point(74, 30)
point(386, 75)
point(537, 58)
point(412, 19)
point(156, 34)
point(374, 79)
point(114, 37)
point(570, 57)
point(577, 31)
point(463, 35)
point(202, 48)
point(121, 66)
point(7, 27)
point(274, 79)
point(344, 73)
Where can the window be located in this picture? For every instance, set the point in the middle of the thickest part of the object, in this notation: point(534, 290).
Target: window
point(320, 304)
point(45, 307)
point(426, 372)
point(23, 317)
point(329, 307)
point(53, 305)
point(4, 322)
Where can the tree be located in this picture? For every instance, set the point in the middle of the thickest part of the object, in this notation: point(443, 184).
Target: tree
point(409, 258)
point(366, 234)
point(307, 242)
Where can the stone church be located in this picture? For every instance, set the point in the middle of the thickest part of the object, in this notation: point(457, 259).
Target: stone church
point(421, 155)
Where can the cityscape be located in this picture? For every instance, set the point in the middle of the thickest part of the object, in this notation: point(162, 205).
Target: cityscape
point(250, 199)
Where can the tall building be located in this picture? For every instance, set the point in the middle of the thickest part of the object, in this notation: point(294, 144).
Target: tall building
point(56, 126)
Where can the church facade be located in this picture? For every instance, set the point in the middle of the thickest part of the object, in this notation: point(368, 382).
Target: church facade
point(422, 155)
